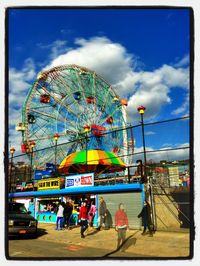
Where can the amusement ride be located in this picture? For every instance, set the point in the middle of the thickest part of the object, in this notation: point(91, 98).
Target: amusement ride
point(76, 111)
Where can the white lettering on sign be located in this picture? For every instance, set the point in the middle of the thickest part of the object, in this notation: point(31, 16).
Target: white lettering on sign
point(86, 180)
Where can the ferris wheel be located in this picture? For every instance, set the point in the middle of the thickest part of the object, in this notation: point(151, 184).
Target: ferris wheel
point(72, 102)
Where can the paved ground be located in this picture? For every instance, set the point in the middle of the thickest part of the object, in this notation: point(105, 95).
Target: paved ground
point(162, 244)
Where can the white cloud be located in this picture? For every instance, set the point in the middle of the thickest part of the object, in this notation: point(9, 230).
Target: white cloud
point(109, 60)
point(183, 61)
point(113, 62)
point(165, 154)
point(168, 145)
point(19, 84)
point(173, 77)
point(148, 133)
point(152, 98)
point(184, 108)
point(56, 48)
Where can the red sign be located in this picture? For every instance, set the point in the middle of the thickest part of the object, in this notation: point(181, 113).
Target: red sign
point(86, 180)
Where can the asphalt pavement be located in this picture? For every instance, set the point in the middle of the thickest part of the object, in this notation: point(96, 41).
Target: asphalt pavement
point(103, 244)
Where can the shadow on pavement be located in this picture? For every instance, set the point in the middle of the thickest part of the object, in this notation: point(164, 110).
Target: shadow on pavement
point(92, 233)
point(40, 233)
point(130, 241)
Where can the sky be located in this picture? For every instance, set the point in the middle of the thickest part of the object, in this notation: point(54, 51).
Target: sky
point(143, 53)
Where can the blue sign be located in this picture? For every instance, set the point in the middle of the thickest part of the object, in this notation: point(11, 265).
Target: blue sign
point(70, 183)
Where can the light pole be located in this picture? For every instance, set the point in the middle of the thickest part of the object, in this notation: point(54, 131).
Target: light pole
point(32, 145)
point(141, 109)
point(56, 137)
point(12, 151)
point(86, 130)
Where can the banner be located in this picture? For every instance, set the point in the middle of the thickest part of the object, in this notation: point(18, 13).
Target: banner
point(79, 180)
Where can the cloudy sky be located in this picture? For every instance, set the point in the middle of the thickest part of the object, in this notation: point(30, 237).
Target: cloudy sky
point(142, 53)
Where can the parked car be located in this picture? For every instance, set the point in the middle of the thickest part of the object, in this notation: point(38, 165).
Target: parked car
point(20, 222)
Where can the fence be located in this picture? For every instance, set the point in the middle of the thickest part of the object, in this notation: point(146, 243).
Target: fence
point(167, 155)
point(167, 165)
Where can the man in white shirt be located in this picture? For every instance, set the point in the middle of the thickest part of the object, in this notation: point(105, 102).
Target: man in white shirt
point(59, 219)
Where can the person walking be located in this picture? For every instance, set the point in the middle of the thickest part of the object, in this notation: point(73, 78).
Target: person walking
point(121, 225)
point(59, 216)
point(146, 218)
point(102, 213)
point(91, 213)
point(83, 218)
point(67, 214)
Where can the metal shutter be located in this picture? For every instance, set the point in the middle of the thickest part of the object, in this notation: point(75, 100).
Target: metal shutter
point(132, 202)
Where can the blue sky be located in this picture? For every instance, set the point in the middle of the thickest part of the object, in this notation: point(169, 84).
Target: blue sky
point(142, 53)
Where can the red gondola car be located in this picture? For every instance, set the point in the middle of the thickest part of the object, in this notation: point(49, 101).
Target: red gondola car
point(44, 98)
point(24, 147)
point(109, 120)
point(91, 100)
point(97, 130)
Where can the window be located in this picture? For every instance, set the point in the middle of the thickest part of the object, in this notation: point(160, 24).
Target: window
point(47, 184)
point(17, 207)
point(54, 183)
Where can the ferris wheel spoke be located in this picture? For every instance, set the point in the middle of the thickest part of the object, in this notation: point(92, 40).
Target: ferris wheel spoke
point(81, 86)
point(45, 116)
point(80, 108)
point(43, 121)
point(67, 107)
point(111, 114)
point(74, 116)
point(86, 93)
point(43, 113)
point(63, 85)
point(40, 131)
point(103, 108)
point(60, 102)
point(94, 88)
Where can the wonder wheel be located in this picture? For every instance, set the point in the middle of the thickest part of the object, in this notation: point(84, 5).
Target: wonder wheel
point(76, 105)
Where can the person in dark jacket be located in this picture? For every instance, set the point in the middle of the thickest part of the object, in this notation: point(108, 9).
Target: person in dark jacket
point(102, 212)
point(145, 214)
point(67, 213)
point(109, 220)
point(83, 218)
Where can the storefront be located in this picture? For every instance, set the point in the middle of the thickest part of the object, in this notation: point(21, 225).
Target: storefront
point(132, 195)
point(46, 208)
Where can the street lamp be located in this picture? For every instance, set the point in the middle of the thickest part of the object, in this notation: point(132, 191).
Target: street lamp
point(32, 145)
point(141, 109)
point(56, 137)
point(86, 130)
point(12, 151)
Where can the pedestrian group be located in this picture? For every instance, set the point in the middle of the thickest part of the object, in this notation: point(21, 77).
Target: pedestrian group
point(86, 213)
